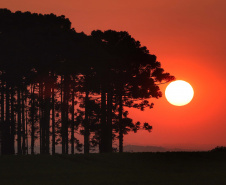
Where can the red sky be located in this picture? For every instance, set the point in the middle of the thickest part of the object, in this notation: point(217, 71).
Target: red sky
point(187, 36)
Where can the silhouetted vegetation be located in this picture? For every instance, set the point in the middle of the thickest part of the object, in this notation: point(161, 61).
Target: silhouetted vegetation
point(219, 149)
point(171, 168)
point(57, 84)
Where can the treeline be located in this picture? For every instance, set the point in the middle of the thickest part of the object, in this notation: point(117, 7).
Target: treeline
point(57, 84)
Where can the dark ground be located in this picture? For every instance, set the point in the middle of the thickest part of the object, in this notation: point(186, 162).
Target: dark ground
point(182, 168)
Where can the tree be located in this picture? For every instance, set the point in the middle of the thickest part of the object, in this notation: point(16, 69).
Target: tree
point(132, 72)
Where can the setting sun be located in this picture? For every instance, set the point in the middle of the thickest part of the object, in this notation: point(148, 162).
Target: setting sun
point(179, 93)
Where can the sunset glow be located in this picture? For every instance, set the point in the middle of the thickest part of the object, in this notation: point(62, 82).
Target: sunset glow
point(188, 38)
point(112, 92)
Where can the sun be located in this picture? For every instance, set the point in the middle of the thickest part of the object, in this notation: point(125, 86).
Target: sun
point(179, 93)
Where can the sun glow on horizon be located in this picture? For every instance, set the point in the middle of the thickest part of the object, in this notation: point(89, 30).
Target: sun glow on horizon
point(179, 93)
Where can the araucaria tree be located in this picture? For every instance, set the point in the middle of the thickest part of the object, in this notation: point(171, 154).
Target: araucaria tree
point(57, 85)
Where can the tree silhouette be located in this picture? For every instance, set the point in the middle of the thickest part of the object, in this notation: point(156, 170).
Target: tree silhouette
point(131, 72)
point(56, 83)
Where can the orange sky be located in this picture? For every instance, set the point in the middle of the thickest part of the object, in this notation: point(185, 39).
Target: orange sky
point(188, 37)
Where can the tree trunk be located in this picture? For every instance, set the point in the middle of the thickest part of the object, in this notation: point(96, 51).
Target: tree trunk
point(73, 122)
point(2, 114)
point(32, 119)
point(41, 117)
point(47, 93)
point(6, 141)
point(19, 149)
point(103, 143)
point(2, 102)
point(120, 125)
point(86, 125)
point(109, 120)
point(66, 101)
point(53, 122)
point(62, 117)
point(23, 126)
point(12, 122)
point(26, 123)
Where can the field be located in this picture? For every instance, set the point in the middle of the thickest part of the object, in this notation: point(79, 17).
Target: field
point(182, 168)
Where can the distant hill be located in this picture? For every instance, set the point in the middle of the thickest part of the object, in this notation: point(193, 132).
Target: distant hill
point(138, 148)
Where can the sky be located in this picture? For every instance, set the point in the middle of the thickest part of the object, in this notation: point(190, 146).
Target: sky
point(187, 36)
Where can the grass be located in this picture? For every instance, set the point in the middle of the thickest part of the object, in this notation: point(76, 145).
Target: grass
point(182, 168)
